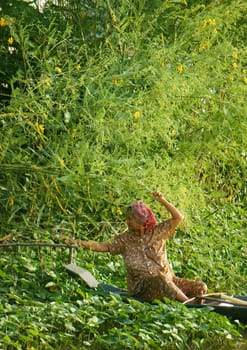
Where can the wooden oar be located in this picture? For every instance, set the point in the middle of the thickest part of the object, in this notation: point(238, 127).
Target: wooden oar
point(226, 297)
point(218, 297)
point(233, 300)
point(83, 274)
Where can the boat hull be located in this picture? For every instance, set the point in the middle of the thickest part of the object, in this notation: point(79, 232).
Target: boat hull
point(233, 312)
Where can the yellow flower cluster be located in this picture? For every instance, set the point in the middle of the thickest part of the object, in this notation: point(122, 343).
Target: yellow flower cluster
point(109, 43)
point(116, 82)
point(211, 22)
point(40, 129)
point(113, 18)
point(204, 45)
point(3, 22)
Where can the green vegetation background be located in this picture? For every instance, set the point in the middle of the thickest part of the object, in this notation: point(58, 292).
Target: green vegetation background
point(102, 102)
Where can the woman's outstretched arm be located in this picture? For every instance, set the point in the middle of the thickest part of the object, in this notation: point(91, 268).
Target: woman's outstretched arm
point(91, 245)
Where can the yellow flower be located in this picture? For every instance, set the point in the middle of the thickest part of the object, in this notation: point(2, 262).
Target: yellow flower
point(113, 18)
point(245, 80)
point(234, 65)
point(61, 162)
point(11, 202)
point(212, 22)
point(3, 22)
point(204, 23)
point(110, 45)
point(115, 81)
point(235, 53)
point(40, 129)
point(78, 67)
point(137, 115)
point(204, 45)
point(180, 68)
point(10, 41)
point(58, 70)
point(46, 184)
point(47, 82)
point(119, 211)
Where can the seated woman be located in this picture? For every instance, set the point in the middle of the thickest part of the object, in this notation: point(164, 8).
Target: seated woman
point(143, 248)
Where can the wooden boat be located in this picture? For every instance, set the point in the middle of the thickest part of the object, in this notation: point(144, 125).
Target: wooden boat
point(235, 308)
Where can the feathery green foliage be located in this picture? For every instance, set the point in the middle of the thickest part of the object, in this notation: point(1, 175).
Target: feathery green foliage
point(102, 102)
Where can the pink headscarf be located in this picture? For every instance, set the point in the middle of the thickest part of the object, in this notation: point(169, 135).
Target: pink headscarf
point(143, 214)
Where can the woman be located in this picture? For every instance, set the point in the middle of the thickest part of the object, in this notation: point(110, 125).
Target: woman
point(143, 247)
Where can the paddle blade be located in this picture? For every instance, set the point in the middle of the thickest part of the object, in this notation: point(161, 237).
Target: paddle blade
point(84, 274)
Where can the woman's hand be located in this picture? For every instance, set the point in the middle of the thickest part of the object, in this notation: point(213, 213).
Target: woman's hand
point(157, 195)
point(177, 217)
point(69, 241)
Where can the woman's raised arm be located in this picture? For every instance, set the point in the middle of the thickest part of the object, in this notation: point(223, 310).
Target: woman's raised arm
point(177, 217)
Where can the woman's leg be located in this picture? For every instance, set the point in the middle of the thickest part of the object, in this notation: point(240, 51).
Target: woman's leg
point(159, 287)
point(189, 287)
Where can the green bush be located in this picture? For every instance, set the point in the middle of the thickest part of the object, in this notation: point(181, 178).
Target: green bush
point(103, 102)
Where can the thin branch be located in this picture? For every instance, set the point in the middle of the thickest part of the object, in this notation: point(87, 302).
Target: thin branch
point(40, 244)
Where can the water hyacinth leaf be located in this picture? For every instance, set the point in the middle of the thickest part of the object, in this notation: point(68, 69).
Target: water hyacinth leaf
point(93, 321)
point(50, 285)
point(69, 326)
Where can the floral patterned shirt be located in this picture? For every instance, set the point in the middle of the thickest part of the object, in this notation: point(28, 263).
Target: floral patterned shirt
point(144, 257)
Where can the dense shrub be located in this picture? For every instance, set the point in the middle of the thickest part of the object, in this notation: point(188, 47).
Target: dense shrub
point(102, 102)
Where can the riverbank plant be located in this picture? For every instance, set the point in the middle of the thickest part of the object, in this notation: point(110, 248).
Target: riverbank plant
point(101, 103)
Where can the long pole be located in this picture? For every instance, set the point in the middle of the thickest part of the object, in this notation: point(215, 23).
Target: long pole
point(42, 244)
point(35, 244)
